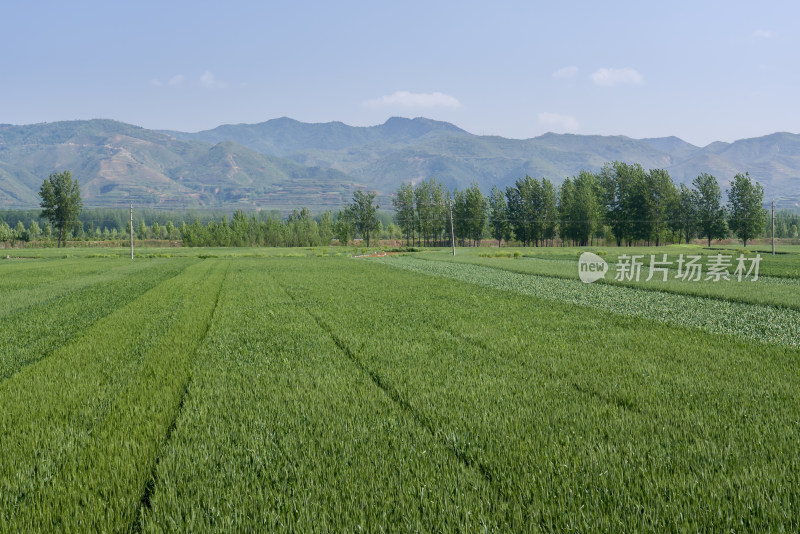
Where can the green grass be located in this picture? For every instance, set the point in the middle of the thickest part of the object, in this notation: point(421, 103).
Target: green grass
point(277, 390)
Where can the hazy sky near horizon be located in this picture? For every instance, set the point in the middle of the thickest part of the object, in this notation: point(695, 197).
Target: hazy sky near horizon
point(702, 71)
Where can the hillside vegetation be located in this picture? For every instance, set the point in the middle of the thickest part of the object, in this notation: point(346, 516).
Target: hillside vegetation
point(284, 164)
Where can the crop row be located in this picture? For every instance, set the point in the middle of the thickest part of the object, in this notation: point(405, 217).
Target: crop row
point(27, 273)
point(579, 419)
point(24, 290)
point(82, 429)
point(281, 431)
point(749, 321)
point(34, 332)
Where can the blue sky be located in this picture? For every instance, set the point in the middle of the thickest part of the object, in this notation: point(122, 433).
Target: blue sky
point(702, 71)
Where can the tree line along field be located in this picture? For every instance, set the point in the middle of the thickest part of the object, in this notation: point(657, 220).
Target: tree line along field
point(294, 389)
point(622, 204)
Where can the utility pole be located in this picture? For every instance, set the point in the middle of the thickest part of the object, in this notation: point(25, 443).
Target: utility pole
point(131, 230)
point(773, 227)
point(452, 233)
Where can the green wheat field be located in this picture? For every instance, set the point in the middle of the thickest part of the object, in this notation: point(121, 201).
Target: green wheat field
point(310, 390)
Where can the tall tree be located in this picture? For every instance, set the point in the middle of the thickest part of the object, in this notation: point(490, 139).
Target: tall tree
point(523, 201)
point(475, 207)
point(404, 213)
point(61, 202)
point(343, 227)
point(6, 232)
point(663, 198)
point(612, 187)
point(326, 228)
point(516, 217)
point(547, 212)
point(683, 218)
point(747, 215)
point(364, 214)
point(240, 230)
point(498, 216)
point(579, 208)
point(460, 216)
point(432, 215)
point(710, 211)
point(636, 202)
point(34, 231)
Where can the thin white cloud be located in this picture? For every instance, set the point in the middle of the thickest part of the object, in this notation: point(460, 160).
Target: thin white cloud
point(609, 77)
point(209, 81)
point(172, 82)
point(762, 34)
point(566, 72)
point(406, 99)
point(557, 123)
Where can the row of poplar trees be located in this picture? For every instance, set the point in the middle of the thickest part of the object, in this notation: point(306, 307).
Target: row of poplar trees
point(623, 203)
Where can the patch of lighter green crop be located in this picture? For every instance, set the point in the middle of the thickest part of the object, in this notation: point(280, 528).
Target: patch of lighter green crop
point(750, 321)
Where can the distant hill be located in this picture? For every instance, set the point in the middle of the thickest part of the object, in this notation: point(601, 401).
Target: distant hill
point(117, 163)
point(285, 136)
point(283, 163)
point(414, 149)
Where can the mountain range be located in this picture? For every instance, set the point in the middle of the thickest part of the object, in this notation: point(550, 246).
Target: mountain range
point(284, 164)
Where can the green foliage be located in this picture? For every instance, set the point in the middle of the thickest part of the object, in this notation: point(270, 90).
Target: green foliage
point(343, 228)
point(298, 230)
point(405, 214)
point(431, 210)
point(363, 214)
point(326, 228)
point(580, 208)
point(142, 231)
point(502, 254)
point(684, 214)
point(6, 232)
point(747, 216)
point(61, 202)
point(498, 216)
point(710, 211)
point(623, 202)
point(532, 210)
point(470, 209)
point(720, 316)
point(34, 231)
